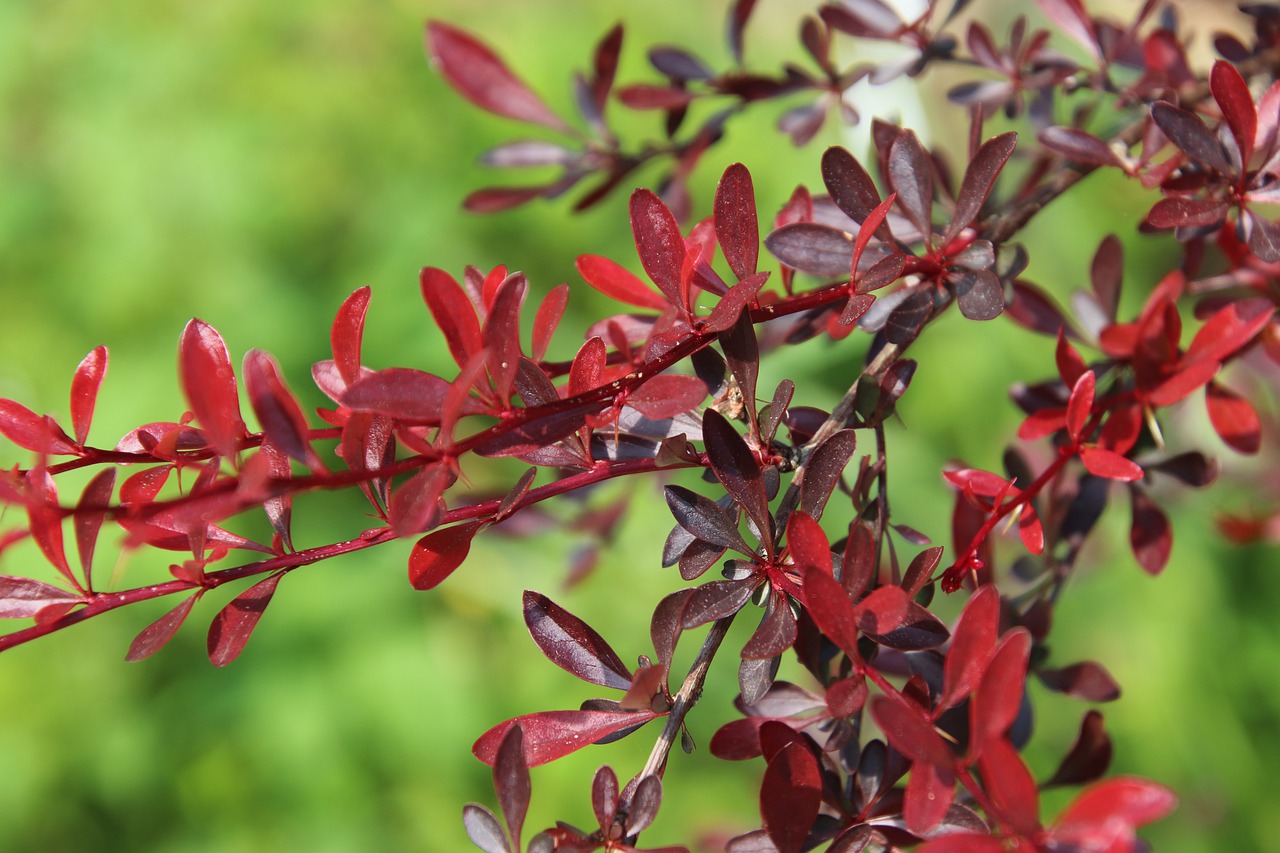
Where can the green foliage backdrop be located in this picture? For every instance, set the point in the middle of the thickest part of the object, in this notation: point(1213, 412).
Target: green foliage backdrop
point(251, 164)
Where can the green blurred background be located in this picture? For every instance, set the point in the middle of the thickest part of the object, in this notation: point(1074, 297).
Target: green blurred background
point(252, 164)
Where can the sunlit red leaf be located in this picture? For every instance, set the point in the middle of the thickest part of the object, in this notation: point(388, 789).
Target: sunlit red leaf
point(403, 393)
point(154, 637)
point(549, 735)
point(84, 391)
point(1104, 463)
point(234, 624)
point(972, 642)
point(572, 644)
point(735, 219)
point(416, 504)
point(482, 78)
point(436, 555)
point(23, 598)
point(1233, 418)
point(618, 283)
point(1232, 94)
point(668, 395)
point(910, 732)
point(1135, 802)
point(1080, 406)
point(547, 319)
point(929, 793)
point(210, 386)
point(89, 516)
point(1010, 785)
point(995, 702)
point(658, 242)
point(453, 313)
point(277, 409)
point(347, 333)
point(829, 606)
point(30, 431)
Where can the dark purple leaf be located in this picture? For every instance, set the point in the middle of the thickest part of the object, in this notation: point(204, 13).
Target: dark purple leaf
point(911, 177)
point(706, 519)
point(480, 76)
point(1089, 681)
point(1033, 308)
point(1232, 94)
point(1150, 533)
point(822, 472)
point(1185, 130)
point(742, 355)
point(979, 294)
point(1181, 212)
point(665, 626)
point(604, 796)
point(234, 624)
point(735, 466)
point(738, 16)
point(1089, 757)
point(1106, 272)
point(813, 248)
point(572, 644)
point(1079, 146)
point(511, 781)
point(713, 601)
point(644, 96)
point(1264, 238)
point(851, 187)
point(979, 178)
point(776, 633)
point(643, 807)
point(484, 830)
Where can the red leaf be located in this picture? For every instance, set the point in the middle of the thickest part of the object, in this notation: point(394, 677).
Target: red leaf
point(549, 735)
point(1080, 406)
point(808, 544)
point(1150, 533)
point(276, 408)
point(453, 313)
point(1104, 463)
point(1077, 145)
point(995, 703)
point(730, 307)
point(210, 386)
point(972, 643)
point(416, 505)
point(658, 242)
point(1189, 376)
point(929, 794)
point(234, 624)
point(829, 607)
point(737, 228)
point(910, 733)
point(30, 431)
point(22, 598)
point(1233, 418)
point(511, 781)
point(88, 518)
point(154, 637)
point(982, 483)
point(1135, 802)
point(45, 520)
point(547, 319)
point(1180, 212)
point(645, 96)
point(482, 78)
point(84, 391)
point(347, 332)
point(790, 795)
point(436, 555)
point(1232, 94)
point(1229, 330)
point(668, 395)
point(1010, 785)
point(617, 283)
point(572, 644)
point(883, 611)
point(408, 395)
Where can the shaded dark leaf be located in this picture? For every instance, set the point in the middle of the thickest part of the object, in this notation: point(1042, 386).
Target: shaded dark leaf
point(776, 633)
point(484, 830)
point(739, 13)
point(1185, 130)
point(822, 472)
point(735, 466)
point(979, 178)
point(979, 294)
point(1150, 533)
point(705, 519)
point(713, 601)
point(277, 409)
point(813, 248)
point(511, 781)
point(1079, 146)
point(790, 795)
point(1090, 755)
point(1087, 680)
point(911, 177)
point(644, 804)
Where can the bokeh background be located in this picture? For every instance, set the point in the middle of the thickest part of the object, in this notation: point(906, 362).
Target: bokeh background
point(252, 164)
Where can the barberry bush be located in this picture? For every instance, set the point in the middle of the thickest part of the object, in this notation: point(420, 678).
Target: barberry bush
point(752, 391)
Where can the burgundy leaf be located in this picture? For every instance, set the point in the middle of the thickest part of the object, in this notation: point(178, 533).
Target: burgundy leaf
point(604, 796)
point(828, 605)
point(84, 391)
point(645, 96)
point(713, 601)
point(1181, 212)
point(540, 432)
point(1232, 94)
point(813, 248)
point(706, 519)
point(572, 644)
point(494, 199)
point(154, 637)
point(643, 808)
point(501, 333)
point(1106, 272)
point(979, 294)
point(210, 386)
point(1071, 17)
point(738, 15)
point(277, 409)
point(910, 732)
point(735, 219)
point(658, 242)
point(1105, 463)
point(1150, 533)
point(403, 393)
point(979, 178)
point(1088, 680)
point(415, 505)
point(1033, 308)
point(30, 431)
point(667, 395)
point(88, 518)
point(776, 632)
point(911, 177)
point(929, 794)
point(1079, 146)
point(851, 187)
point(808, 544)
point(549, 735)
point(482, 78)
point(972, 642)
point(735, 466)
point(347, 334)
point(996, 701)
point(453, 313)
point(1233, 418)
point(742, 355)
point(790, 795)
point(665, 626)
point(436, 555)
point(732, 305)
point(921, 570)
point(234, 624)
point(822, 472)
point(511, 781)
point(1185, 130)
point(1089, 756)
point(22, 598)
